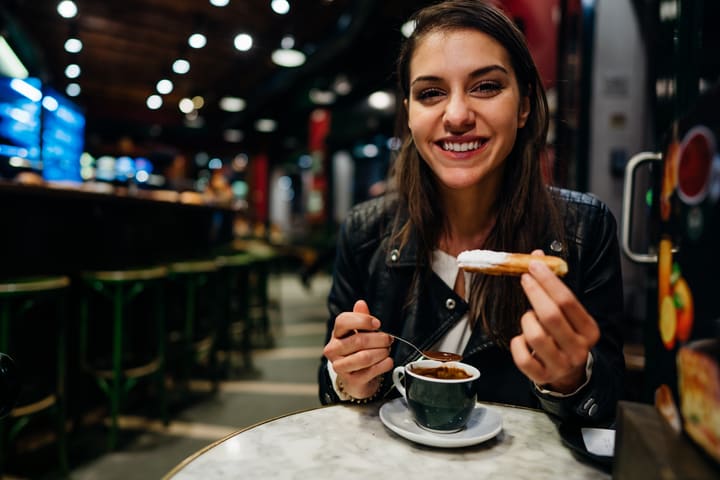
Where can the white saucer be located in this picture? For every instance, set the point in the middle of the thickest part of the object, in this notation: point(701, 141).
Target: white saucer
point(483, 425)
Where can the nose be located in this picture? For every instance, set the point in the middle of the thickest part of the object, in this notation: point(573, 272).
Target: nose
point(458, 114)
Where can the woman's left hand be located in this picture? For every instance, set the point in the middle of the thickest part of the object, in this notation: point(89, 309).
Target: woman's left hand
point(557, 333)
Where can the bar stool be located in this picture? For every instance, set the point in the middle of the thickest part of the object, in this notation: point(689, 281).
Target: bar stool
point(121, 287)
point(17, 298)
point(247, 313)
point(263, 261)
point(197, 341)
point(235, 318)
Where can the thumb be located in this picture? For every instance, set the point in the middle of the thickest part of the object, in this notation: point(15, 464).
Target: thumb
point(361, 307)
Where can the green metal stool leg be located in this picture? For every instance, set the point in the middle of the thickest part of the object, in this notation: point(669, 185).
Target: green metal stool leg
point(261, 290)
point(214, 294)
point(245, 310)
point(61, 357)
point(160, 321)
point(189, 334)
point(4, 342)
point(117, 388)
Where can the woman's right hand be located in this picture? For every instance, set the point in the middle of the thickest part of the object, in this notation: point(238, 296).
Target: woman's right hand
point(358, 352)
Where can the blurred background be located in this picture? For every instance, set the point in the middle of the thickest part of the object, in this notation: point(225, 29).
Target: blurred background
point(148, 132)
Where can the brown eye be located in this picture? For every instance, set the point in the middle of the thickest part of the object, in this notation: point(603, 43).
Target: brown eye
point(487, 89)
point(428, 93)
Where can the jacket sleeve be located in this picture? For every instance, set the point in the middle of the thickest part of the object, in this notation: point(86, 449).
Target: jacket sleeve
point(598, 286)
point(346, 286)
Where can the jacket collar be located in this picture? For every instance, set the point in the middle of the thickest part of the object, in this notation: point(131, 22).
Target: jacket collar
point(395, 256)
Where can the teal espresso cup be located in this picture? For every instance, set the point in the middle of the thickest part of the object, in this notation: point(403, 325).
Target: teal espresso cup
point(440, 395)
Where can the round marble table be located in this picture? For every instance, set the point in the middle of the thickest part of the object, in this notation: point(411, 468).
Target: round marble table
point(347, 442)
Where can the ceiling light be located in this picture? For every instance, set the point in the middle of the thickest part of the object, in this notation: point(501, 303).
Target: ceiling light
point(73, 45)
point(10, 64)
point(342, 85)
point(198, 102)
point(72, 70)
point(287, 57)
point(321, 97)
point(181, 66)
point(197, 40)
point(408, 28)
point(49, 103)
point(219, 3)
point(154, 102)
point(243, 42)
point(67, 9)
point(233, 135)
point(287, 41)
point(26, 90)
point(394, 143)
point(164, 86)
point(266, 125)
point(370, 150)
point(73, 89)
point(186, 105)
point(381, 100)
point(232, 104)
point(281, 7)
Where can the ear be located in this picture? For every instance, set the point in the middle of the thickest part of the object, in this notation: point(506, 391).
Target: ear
point(524, 111)
point(406, 105)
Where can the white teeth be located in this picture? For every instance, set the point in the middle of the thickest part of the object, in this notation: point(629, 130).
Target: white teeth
point(460, 147)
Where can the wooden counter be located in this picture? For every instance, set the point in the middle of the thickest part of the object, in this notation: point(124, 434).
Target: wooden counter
point(52, 230)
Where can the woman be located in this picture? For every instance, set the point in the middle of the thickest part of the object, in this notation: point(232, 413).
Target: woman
point(468, 177)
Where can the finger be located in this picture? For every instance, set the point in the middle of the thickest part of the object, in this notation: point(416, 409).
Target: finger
point(540, 343)
point(526, 362)
point(348, 323)
point(361, 307)
point(561, 295)
point(358, 383)
point(549, 314)
point(361, 360)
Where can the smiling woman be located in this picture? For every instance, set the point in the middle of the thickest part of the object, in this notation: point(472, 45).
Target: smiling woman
point(467, 177)
point(464, 111)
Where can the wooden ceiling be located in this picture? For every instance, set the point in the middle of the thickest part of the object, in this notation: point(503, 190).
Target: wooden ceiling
point(129, 45)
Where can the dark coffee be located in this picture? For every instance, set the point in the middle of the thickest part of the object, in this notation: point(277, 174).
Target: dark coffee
point(442, 372)
point(442, 356)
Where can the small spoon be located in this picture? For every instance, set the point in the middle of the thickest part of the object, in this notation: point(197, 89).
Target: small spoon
point(431, 354)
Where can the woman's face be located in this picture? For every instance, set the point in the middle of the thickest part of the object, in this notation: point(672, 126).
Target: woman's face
point(464, 107)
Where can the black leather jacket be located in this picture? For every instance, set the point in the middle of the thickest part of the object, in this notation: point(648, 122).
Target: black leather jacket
point(369, 267)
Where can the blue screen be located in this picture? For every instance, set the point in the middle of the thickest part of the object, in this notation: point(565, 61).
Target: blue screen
point(20, 122)
point(63, 138)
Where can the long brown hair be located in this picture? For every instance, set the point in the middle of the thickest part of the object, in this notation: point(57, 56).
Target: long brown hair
point(526, 214)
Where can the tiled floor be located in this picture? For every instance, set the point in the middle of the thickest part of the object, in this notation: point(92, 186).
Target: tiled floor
point(283, 380)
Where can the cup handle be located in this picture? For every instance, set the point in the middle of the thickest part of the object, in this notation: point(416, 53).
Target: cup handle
point(397, 377)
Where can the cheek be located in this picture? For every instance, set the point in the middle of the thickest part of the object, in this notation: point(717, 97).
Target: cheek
point(421, 120)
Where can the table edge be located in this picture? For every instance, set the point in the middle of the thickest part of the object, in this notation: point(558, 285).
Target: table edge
point(193, 456)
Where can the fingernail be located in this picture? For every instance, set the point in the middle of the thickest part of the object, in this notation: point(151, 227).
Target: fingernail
point(376, 323)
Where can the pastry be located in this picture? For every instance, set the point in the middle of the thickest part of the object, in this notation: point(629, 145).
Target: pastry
point(503, 263)
point(699, 391)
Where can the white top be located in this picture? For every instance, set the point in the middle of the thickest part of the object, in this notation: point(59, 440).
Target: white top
point(446, 267)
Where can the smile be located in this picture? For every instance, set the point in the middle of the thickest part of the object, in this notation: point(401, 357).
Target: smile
point(461, 146)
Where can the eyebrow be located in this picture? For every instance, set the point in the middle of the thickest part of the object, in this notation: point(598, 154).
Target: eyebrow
point(476, 73)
